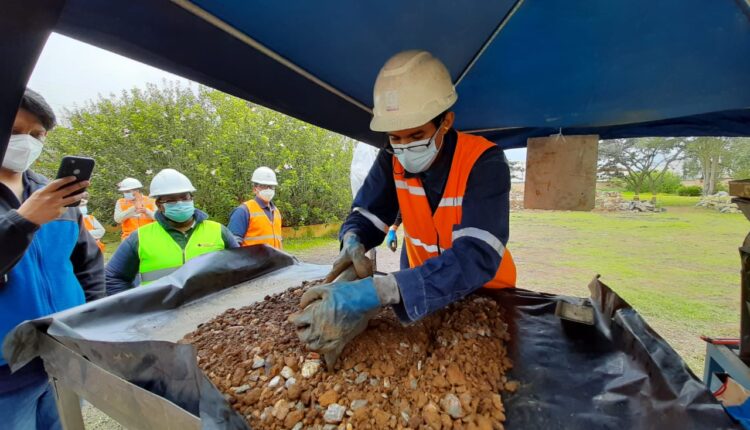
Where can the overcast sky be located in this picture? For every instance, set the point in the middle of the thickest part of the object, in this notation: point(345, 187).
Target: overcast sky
point(70, 73)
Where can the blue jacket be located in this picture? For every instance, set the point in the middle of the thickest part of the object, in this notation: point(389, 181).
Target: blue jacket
point(470, 262)
point(122, 269)
point(43, 270)
point(239, 219)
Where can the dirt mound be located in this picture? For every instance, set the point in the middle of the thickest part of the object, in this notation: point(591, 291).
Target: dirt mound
point(444, 372)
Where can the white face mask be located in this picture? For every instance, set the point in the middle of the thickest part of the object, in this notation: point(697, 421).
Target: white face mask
point(129, 196)
point(266, 194)
point(419, 159)
point(84, 210)
point(22, 152)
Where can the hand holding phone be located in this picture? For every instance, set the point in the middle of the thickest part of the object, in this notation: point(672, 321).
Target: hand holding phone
point(48, 203)
point(81, 168)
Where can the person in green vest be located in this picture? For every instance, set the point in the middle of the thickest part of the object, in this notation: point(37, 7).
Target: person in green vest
point(179, 234)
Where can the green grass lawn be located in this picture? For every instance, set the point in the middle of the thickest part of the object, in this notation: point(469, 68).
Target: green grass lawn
point(679, 269)
point(664, 200)
point(111, 241)
point(293, 246)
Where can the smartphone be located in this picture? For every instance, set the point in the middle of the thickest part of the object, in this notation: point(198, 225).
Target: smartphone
point(80, 167)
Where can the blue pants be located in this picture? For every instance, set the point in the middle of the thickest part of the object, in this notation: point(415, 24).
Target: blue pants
point(30, 408)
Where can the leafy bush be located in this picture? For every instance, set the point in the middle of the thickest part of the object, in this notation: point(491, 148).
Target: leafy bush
point(216, 140)
point(669, 184)
point(691, 190)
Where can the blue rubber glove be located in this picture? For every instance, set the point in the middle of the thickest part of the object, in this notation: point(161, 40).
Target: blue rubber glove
point(334, 314)
point(391, 240)
point(351, 261)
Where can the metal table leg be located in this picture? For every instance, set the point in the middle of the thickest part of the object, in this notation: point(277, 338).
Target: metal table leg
point(68, 405)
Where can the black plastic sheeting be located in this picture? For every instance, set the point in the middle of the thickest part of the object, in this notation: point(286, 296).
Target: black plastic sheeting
point(616, 374)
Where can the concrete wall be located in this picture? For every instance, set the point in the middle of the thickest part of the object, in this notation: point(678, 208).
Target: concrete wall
point(561, 173)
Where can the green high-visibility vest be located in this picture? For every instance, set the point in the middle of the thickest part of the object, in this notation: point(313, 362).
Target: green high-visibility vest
point(160, 255)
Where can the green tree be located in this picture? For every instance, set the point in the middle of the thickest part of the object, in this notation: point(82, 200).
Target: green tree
point(711, 154)
point(215, 139)
point(641, 163)
point(738, 165)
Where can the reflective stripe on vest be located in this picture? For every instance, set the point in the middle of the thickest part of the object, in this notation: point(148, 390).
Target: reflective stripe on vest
point(129, 225)
point(160, 255)
point(260, 229)
point(427, 234)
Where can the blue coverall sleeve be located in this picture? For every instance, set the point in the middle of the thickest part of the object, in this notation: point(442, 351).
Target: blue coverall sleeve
point(16, 234)
point(478, 244)
point(239, 219)
point(376, 205)
point(230, 241)
point(122, 268)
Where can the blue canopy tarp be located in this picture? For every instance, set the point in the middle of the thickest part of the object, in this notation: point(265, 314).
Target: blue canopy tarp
point(619, 68)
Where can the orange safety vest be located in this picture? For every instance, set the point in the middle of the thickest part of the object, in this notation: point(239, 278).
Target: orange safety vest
point(260, 229)
point(89, 224)
point(133, 223)
point(428, 234)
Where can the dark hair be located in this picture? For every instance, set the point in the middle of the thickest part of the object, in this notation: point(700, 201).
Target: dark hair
point(35, 103)
point(438, 119)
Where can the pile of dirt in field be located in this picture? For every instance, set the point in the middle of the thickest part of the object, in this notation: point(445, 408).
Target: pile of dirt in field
point(444, 372)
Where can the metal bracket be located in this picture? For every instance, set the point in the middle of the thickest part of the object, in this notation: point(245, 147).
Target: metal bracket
point(581, 312)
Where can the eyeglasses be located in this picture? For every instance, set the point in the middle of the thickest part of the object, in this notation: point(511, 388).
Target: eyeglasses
point(410, 147)
point(416, 148)
point(175, 199)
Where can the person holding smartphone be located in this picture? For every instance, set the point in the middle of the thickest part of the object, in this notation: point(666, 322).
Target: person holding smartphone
point(48, 261)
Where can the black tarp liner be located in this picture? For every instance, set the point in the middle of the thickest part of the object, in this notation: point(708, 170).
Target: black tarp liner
point(617, 374)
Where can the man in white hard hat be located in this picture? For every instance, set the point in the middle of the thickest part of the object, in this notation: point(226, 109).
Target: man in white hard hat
point(258, 220)
point(453, 192)
point(181, 232)
point(133, 210)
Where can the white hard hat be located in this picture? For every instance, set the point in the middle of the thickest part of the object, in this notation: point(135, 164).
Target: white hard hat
point(170, 181)
point(264, 175)
point(128, 184)
point(412, 88)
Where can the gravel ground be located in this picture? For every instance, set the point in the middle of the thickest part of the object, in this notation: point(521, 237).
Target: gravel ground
point(94, 419)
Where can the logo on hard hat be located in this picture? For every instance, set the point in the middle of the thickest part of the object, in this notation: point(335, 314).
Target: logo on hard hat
point(391, 101)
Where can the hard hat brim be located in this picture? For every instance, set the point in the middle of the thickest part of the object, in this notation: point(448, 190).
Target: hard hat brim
point(403, 122)
point(399, 121)
point(266, 183)
point(177, 191)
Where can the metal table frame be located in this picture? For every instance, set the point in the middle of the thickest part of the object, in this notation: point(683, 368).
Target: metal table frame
point(724, 359)
point(78, 378)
